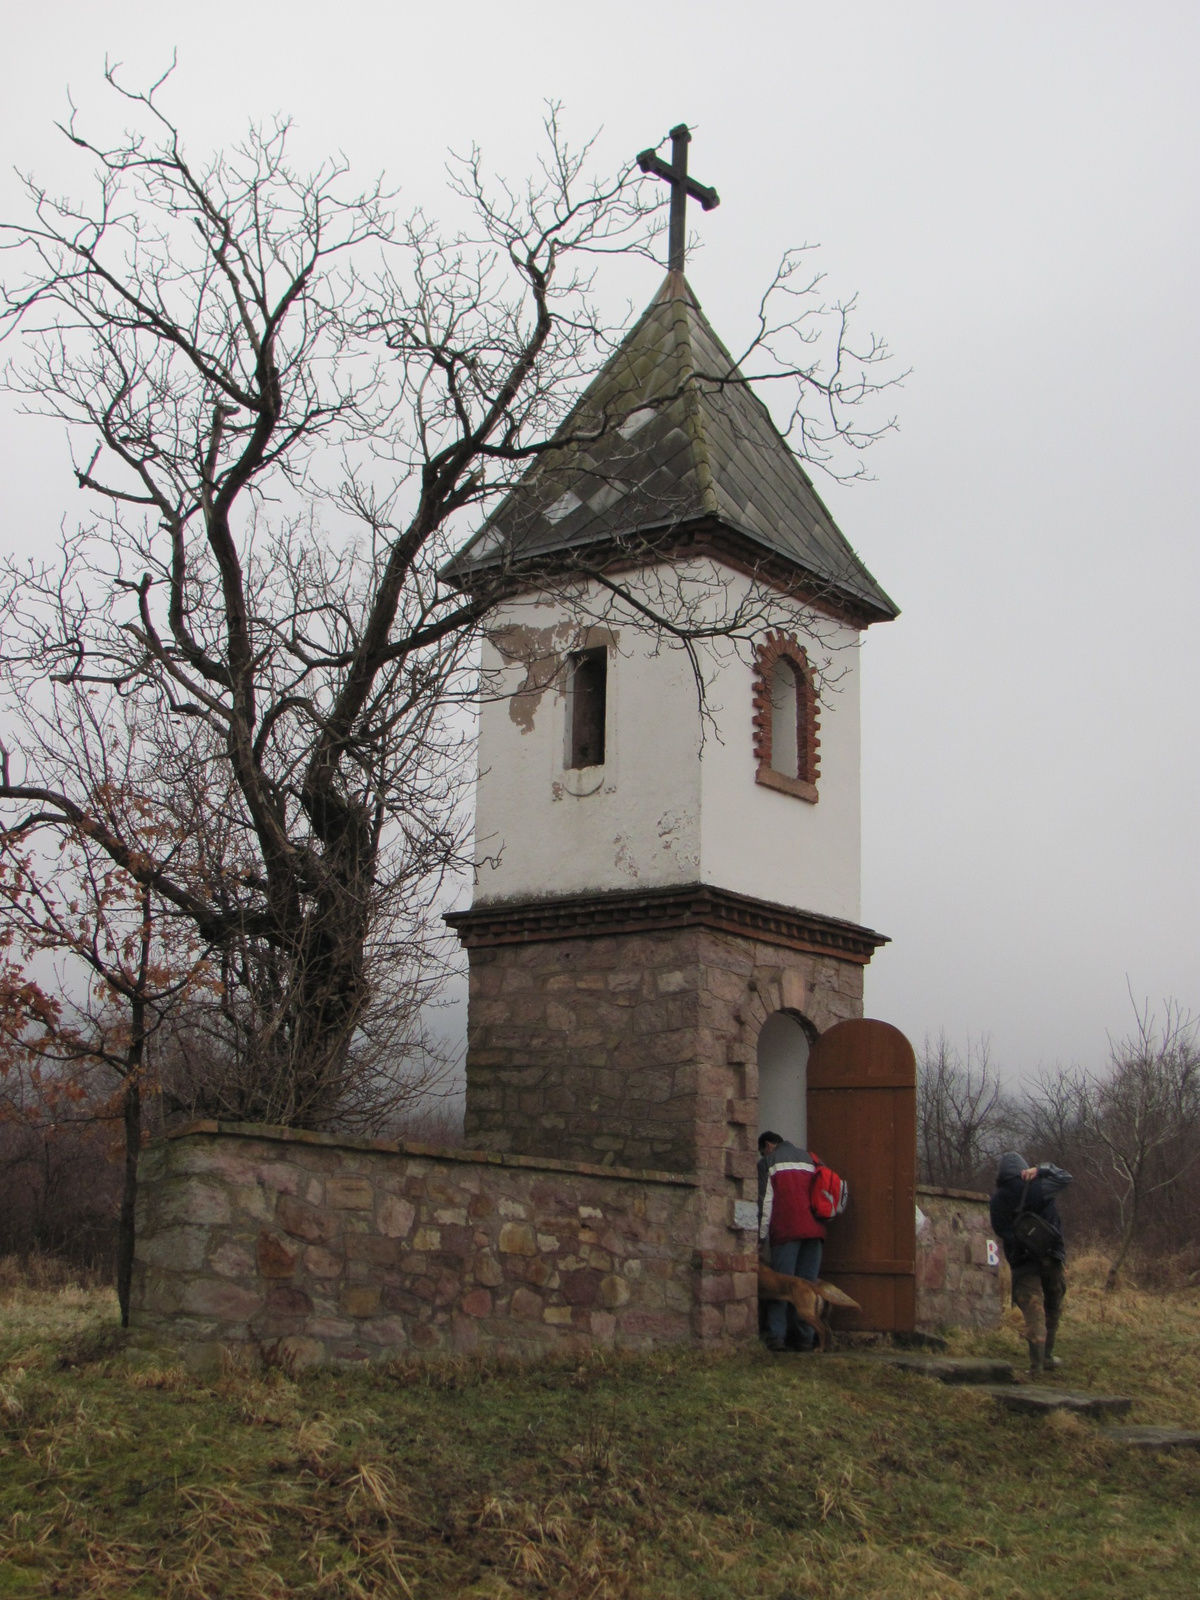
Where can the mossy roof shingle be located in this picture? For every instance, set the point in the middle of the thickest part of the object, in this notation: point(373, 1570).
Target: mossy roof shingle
point(675, 445)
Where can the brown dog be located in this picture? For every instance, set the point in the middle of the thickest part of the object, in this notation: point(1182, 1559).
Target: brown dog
point(805, 1295)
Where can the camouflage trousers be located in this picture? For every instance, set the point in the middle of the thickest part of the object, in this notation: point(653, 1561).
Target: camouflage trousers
point(1038, 1288)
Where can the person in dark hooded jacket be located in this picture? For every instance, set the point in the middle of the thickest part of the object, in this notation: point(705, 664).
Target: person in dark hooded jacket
point(1038, 1282)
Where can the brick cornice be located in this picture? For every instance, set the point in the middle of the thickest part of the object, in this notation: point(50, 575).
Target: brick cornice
point(697, 905)
point(673, 542)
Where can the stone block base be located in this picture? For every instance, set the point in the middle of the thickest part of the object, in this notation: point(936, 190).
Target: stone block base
point(636, 1048)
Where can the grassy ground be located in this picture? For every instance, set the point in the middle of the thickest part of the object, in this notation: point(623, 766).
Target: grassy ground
point(660, 1478)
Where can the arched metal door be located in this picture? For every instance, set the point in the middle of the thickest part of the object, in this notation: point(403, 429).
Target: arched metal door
point(862, 1121)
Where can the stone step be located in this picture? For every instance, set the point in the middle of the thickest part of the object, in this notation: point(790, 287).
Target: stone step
point(1036, 1401)
point(947, 1369)
point(1155, 1438)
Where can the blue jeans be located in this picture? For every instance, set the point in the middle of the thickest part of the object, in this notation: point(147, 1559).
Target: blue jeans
point(798, 1258)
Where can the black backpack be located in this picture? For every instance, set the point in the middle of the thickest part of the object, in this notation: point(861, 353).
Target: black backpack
point(1034, 1234)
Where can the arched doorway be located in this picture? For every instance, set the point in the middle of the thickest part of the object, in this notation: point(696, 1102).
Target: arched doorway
point(783, 1077)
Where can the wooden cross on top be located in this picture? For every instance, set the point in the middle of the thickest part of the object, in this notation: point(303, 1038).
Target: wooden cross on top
point(682, 186)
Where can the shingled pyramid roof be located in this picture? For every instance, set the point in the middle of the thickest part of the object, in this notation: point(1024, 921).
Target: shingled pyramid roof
point(678, 449)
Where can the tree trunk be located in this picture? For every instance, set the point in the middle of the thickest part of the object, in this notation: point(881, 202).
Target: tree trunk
point(125, 1231)
point(1114, 1271)
point(134, 1056)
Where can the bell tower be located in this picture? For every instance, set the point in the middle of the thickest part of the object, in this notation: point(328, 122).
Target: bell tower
point(667, 830)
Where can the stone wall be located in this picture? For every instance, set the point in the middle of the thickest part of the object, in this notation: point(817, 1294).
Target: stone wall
point(326, 1249)
point(957, 1285)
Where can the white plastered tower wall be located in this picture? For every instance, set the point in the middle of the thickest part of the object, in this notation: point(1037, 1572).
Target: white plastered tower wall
point(544, 829)
point(778, 847)
point(676, 801)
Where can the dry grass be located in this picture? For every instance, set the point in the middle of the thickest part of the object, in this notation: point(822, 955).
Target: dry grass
point(1136, 1341)
point(45, 1302)
point(619, 1478)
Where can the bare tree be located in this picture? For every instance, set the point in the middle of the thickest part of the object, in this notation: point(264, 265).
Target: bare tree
point(1050, 1119)
point(60, 1191)
point(1143, 1117)
point(83, 908)
point(288, 406)
point(961, 1112)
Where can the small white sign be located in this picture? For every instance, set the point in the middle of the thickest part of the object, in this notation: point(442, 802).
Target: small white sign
point(745, 1215)
point(993, 1253)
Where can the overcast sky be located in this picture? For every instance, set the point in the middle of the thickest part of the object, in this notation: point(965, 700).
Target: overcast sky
point(1011, 189)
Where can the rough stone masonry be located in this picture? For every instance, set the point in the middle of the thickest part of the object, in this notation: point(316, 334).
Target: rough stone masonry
point(320, 1250)
point(961, 1276)
point(639, 1048)
point(317, 1249)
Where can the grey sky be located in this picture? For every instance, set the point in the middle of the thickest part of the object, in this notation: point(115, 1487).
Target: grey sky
point(1012, 191)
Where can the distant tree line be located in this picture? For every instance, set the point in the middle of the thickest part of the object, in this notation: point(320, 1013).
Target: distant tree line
point(1129, 1132)
point(63, 1148)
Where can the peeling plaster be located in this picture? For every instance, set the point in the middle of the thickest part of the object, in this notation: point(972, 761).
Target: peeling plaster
point(542, 652)
point(678, 828)
point(623, 860)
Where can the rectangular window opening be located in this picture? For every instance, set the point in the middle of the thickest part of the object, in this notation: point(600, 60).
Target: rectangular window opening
point(588, 705)
point(786, 712)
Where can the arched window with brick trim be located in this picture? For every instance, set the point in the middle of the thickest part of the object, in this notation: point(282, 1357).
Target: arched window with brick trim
point(786, 718)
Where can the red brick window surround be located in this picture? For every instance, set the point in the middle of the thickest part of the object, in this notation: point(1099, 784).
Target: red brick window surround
point(786, 718)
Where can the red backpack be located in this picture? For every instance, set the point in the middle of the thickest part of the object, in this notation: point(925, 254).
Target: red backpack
point(830, 1195)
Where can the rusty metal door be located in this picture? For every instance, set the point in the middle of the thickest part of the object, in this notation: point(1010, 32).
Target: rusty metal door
point(862, 1121)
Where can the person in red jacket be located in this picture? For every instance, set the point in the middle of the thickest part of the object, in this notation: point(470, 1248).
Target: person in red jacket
point(788, 1227)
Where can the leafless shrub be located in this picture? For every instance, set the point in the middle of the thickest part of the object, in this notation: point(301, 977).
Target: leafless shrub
point(1129, 1133)
point(1141, 1121)
point(60, 1191)
point(1051, 1118)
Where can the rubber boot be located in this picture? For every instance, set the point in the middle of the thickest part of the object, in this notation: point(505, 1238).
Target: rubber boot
point(1050, 1361)
point(1037, 1355)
